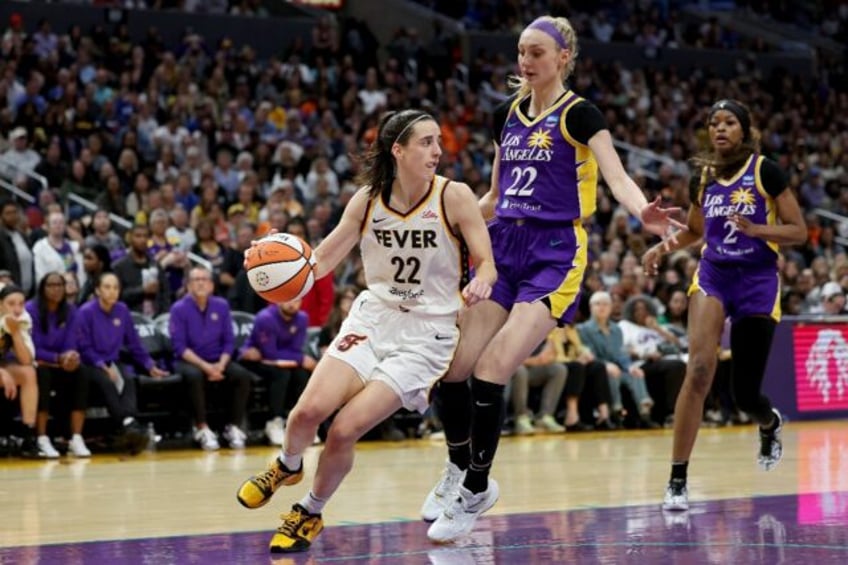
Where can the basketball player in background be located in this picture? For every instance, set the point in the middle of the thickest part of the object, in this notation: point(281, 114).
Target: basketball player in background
point(401, 333)
point(736, 202)
point(549, 144)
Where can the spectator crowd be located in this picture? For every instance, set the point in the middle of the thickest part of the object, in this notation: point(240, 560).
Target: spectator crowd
point(142, 171)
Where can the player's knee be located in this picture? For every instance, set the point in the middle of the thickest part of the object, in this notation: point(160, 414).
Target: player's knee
point(701, 374)
point(341, 435)
point(306, 414)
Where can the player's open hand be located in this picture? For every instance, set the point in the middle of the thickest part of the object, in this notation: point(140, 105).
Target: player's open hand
point(659, 220)
point(475, 291)
point(744, 225)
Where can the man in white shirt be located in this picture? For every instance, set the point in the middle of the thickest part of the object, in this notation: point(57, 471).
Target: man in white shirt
point(19, 160)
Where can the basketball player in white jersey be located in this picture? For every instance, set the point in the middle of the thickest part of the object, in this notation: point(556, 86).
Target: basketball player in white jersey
point(401, 334)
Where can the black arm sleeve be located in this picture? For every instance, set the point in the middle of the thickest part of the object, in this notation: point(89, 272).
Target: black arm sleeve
point(773, 179)
point(499, 118)
point(583, 121)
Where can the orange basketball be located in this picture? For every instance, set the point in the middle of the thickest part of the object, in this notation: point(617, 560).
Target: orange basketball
point(280, 267)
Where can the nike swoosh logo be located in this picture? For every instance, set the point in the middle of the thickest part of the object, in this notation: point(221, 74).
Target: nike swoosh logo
point(442, 337)
point(555, 242)
point(378, 220)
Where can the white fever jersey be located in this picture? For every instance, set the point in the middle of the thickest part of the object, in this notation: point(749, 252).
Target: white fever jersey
point(414, 261)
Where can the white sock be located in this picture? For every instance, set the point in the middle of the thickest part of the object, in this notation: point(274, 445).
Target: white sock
point(42, 436)
point(76, 436)
point(312, 503)
point(291, 462)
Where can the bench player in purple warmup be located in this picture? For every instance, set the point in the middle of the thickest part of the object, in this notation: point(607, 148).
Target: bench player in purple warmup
point(737, 201)
point(549, 145)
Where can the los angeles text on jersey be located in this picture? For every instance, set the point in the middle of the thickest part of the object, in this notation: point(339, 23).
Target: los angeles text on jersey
point(511, 149)
point(715, 206)
point(412, 239)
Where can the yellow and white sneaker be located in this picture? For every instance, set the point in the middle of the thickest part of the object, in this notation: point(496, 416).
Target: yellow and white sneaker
point(258, 489)
point(297, 532)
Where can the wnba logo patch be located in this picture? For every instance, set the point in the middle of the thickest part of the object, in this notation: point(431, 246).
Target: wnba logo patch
point(350, 340)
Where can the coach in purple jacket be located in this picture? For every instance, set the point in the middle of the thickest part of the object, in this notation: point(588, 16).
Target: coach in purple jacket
point(105, 327)
point(274, 351)
point(201, 330)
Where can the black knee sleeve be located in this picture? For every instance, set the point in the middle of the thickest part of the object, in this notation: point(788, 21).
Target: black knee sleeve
point(453, 407)
point(750, 343)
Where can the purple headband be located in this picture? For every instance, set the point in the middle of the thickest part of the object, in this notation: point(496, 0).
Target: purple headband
point(548, 27)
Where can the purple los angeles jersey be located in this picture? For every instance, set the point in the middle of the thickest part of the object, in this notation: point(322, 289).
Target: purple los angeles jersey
point(544, 173)
point(744, 195)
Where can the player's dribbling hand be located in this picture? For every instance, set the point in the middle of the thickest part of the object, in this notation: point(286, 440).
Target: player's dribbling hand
point(475, 291)
point(255, 242)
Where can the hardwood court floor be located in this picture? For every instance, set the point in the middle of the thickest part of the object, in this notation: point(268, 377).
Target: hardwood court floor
point(191, 492)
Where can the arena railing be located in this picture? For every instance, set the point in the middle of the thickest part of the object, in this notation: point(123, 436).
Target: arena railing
point(839, 219)
point(8, 186)
point(126, 224)
point(13, 170)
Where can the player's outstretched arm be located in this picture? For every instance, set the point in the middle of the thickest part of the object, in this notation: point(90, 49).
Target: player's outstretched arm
point(465, 215)
point(656, 219)
point(344, 236)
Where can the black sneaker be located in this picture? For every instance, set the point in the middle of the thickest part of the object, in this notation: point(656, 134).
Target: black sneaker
point(133, 438)
point(771, 448)
point(676, 495)
point(30, 450)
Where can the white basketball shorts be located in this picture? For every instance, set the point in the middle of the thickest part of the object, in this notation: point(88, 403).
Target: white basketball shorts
point(407, 351)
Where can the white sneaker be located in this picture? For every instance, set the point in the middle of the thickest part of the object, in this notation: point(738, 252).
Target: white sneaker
point(275, 431)
point(549, 424)
point(523, 425)
point(446, 489)
point(458, 518)
point(207, 439)
point(676, 497)
point(46, 449)
point(234, 436)
point(77, 447)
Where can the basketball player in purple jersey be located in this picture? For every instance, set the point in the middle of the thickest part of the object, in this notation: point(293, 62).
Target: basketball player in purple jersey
point(549, 145)
point(737, 201)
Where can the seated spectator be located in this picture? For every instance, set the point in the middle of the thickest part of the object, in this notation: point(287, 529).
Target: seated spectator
point(16, 247)
point(211, 250)
point(55, 335)
point(144, 284)
point(19, 160)
point(274, 351)
point(604, 338)
point(95, 260)
point(201, 333)
point(832, 300)
point(319, 301)
point(582, 368)
point(341, 307)
point(165, 252)
point(17, 356)
point(657, 352)
point(540, 369)
point(105, 328)
point(102, 234)
point(57, 252)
